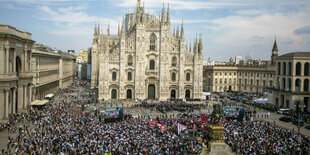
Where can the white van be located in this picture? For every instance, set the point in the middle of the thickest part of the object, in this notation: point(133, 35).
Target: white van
point(282, 110)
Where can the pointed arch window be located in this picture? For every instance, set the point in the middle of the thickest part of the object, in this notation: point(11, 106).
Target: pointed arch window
point(152, 65)
point(114, 76)
point(129, 61)
point(173, 76)
point(153, 42)
point(188, 77)
point(174, 61)
point(129, 76)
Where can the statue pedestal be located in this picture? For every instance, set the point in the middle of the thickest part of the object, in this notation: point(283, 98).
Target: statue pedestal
point(216, 145)
point(219, 148)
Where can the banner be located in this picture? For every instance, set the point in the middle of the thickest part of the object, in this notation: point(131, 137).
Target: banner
point(181, 127)
point(162, 127)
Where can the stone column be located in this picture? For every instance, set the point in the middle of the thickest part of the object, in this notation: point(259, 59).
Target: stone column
point(20, 97)
point(14, 61)
point(7, 59)
point(29, 94)
point(6, 103)
point(2, 101)
point(24, 96)
point(14, 100)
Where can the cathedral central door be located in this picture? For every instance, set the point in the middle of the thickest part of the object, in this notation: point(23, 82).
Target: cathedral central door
point(151, 92)
point(172, 94)
point(113, 94)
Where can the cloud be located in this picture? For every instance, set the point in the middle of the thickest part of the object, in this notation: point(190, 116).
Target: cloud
point(303, 30)
point(188, 21)
point(73, 19)
point(178, 4)
point(244, 34)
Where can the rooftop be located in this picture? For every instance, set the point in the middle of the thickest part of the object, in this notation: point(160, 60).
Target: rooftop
point(295, 54)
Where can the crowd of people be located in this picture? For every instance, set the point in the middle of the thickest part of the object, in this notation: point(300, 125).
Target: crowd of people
point(61, 127)
point(260, 137)
point(167, 106)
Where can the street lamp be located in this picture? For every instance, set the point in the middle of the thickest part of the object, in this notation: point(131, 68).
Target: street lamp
point(298, 109)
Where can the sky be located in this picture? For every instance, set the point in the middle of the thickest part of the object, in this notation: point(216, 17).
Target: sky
point(229, 28)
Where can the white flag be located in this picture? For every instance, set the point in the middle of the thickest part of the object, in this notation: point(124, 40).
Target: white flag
point(181, 128)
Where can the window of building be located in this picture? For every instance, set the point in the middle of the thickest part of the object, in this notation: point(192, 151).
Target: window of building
point(225, 73)
point(173, 77)
point(235, 73)
point(188, 77)
point(234, 80)
point(289, 84)
point(204, 74)
point(264, 83)
point(251, 81)
point(129, 60)
point(152, 65)
point(239, 81)
point(306, 69)
point(298, 68)
point(245, 81)
point(270, 83)
point(174, 61)
point(297, 85)
point(221, 81)
point(257, 82)
point(153, 42)
point(129, 76)
point(306, 85)
point(284, 69)
point(246, 74)
point(114, 76)
point(279, 68)
point(215, 81)
point(257, 74)
point(225, 80)
point(283, 83)
point(229, 81)
point(220, 73)
point(215, 73)
point(289, 68)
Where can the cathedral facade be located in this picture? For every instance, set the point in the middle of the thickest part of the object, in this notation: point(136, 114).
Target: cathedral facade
point(146, 60)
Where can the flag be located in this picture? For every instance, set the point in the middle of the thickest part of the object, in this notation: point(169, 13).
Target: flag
point(162, 127)
point(158, 121)
point(181, 127)
point(221, 121)
point(152, 124)
point(203, 118)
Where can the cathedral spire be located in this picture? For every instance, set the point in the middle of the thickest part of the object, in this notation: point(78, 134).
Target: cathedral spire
point(177, 33)
point(138, 5)
point(168, 14)
point(190, 46)
point(173, 31)
point(196, 45)
point(163, 14)
point(182, 30)
point(123, 28)
point(118, 30)
point(200, 47)
point(95, 29)
point(108, 30)
point(98, 31)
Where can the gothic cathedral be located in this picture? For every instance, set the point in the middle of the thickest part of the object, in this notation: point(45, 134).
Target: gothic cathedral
point(146, 60)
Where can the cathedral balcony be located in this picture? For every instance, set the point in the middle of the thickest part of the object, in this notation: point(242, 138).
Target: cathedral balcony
point(151, 73)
